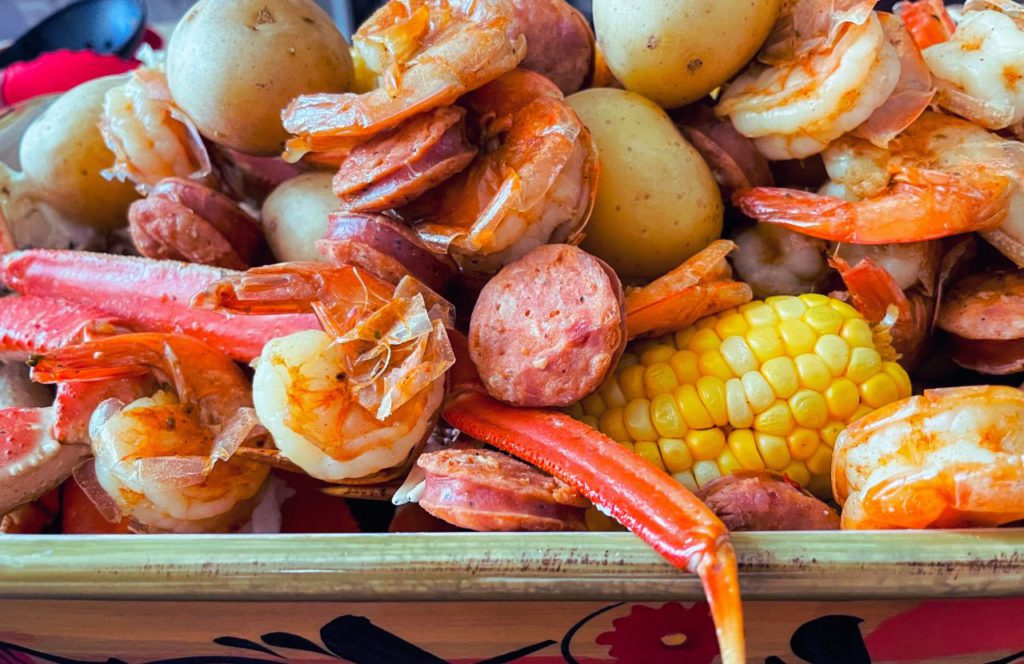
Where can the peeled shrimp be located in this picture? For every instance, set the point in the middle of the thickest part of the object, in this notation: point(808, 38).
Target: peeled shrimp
point(980, 69)
point(150, 137)
point(359, 397)
point(795, 107)
point(777, 261)
point(166, 460)
point(421, 55)
point(950, 458)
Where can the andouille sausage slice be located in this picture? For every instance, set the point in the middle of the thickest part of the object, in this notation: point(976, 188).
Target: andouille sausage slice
point(384, 246)
point(490, 492)
point(559, 41)
point(547, 328)
point(983, 314)
point(188, 221)
point(752, 500)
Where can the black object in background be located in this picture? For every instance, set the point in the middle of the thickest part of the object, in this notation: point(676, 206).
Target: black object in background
point(104, 26)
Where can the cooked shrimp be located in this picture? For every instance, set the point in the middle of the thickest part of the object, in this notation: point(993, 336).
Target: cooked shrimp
point(534, 184)
point(980, 69)
point(777, 261)
point(358, 398)
point(795, 108)
point(166, 460)
point(150, 137)
point(940, 177)
point(950, 458)
point(424, 54)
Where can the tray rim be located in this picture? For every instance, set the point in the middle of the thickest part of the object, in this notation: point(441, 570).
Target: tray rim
point(788, 566)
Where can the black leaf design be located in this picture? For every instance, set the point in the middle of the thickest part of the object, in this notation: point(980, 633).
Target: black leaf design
point(238, 642)
point(566, 646)
point(830, 640)
point(1012, 659)
point(358, 640)
point(292, 641)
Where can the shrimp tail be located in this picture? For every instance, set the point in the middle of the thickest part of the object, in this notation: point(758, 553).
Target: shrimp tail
point(119, 356)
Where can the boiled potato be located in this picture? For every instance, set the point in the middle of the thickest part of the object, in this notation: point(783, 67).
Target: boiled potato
point(62, 154)
point(295, 216)
point(677, 51)
point(234, 65)
point(657, 202)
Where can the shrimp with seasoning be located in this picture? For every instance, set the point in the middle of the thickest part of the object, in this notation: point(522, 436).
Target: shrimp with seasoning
point(950, 458)
point(166, 460)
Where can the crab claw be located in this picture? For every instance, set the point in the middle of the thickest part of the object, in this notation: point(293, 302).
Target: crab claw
point(32, 462)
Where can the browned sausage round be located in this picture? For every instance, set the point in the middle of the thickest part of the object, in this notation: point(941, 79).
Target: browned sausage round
point(752, 500)
point(559, 41)
point(186, 220)
point(488, 491)
point(385, 247)
point(981, 313)
point(398, 166)
point(548, 327)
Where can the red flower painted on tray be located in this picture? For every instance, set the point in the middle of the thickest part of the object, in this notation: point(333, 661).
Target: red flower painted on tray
point(669, 634)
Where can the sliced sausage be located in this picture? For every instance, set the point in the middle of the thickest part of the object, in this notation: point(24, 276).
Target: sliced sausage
point(398, 166)
point(559, 41)
point(187, 221)
point(985, 306)
point(754, 500)
point(547, 328)
point(733, 158)
point(385, 247)
point(488, 491)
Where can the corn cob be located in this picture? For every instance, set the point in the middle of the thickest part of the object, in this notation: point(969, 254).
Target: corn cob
point(768, 385)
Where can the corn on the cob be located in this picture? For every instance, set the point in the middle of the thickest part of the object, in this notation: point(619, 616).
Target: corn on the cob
point(768, 385)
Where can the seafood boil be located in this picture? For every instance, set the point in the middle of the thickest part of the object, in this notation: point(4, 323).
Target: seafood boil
point(529, 274)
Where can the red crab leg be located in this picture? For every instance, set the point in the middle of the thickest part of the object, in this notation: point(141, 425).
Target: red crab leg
point(30, 325)
point(31, 461)
point(149, 295)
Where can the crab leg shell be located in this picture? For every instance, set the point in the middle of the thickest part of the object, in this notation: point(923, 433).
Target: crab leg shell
point(30, 325)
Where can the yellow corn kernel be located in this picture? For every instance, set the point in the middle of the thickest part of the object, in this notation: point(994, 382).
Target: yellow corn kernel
point(759, 393)
point(590, 421)
point(593, 404)
point(627, 360)
point(823, 319)
point(628, 444)
point(740, 414)
point(864, 363)
point(812, 372)
point(842, 398)
point(787, 306)
point(655, 354)
point(705, 471)
point(830, 432)
point(857, 333)
point(802, 443)
point(637, 419)
point(797, 336)
point(844, 310)
point(612, 394)
point(809, 409)
point(860, 412)
point(878, 390)
point(765, 342)
point(813, 300)
point(712, 394)
point(649, 450)
point(703, 340)
point(576, 410)
point(668, 421)
point(659, 379)
point(738, 355)
point(706, 443)
point(797, 472)
point(687, 479)
point(712, 363)
point(694, 412)
point(682, 338)
point(684, 364)
point(613, 424)
point(834, 352)
point(675, 454)
point(631, 380)
point(777, 420)
point(707, 322)
point(728, 463)
point(643, 345)
point(899, 375)
point(731, 325)
point(759, 314)
point(744, 448)
point(780, 372)
point(820, 463)
point(773, 450)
